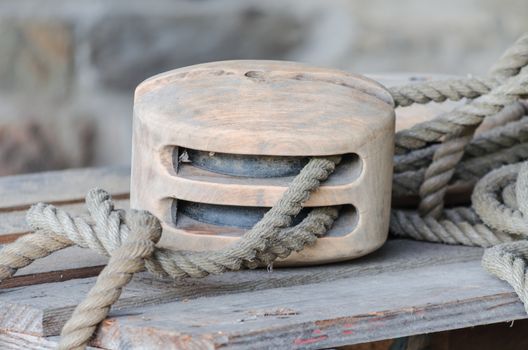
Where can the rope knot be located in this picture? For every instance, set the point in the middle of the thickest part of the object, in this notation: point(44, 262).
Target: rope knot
point(143, 223)
point(104, 231)
point(130, 237)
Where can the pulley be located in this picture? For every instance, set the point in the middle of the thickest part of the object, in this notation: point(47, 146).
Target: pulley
point(215, 145)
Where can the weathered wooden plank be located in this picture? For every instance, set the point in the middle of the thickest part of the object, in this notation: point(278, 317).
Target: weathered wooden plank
point(15, 341)
point(64, 186)
point(69, 263)
point(20, 341)
point(346, 311)
point(42, 309)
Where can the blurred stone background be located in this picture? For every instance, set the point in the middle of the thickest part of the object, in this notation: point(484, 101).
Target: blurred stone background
point(68, 68)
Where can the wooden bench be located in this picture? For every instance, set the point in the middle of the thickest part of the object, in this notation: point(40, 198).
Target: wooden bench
point(406, 288)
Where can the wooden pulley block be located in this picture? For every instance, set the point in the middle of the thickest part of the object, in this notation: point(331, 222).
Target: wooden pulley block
point(216, 145)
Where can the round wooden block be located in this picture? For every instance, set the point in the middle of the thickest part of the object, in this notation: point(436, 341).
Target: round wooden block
point(214, 145)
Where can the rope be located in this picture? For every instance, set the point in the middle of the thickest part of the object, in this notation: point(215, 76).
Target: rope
point(442, 90)
point(129, 258)
point(510, 65)
point(429, 157)
point(500, 137)
point(500, 199)
point(129, 238)
point(448, 155)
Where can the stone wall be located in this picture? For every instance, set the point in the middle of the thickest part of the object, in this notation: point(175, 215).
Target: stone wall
point(68, 68)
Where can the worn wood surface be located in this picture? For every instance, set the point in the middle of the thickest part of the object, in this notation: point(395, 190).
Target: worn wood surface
point(66, 186)
point(264, 107)
point(344, 311)
point(214, 285)
point(14, 340)
point(405, 288)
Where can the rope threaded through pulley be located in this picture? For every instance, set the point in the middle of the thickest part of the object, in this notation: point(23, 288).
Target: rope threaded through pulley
point(429, 158)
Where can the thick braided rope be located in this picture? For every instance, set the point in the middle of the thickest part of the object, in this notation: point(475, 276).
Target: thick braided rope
point(449, 154)
point(504, 134)
point(468, 115)
point(509, 64)
point(130, 241)
point(503, 221)
point(467, 172)
point(498, 138)
point(513, 60)
point(439, 173)
point(506, 261)
point(28, 248)
point(460, 226)
point(421, 134)
point(129, 258)
point(34, 246)
point(499, 222)
point(132, 246)
point(441, 170)
point(471, 114)
point(442, 90)
point(260, 245)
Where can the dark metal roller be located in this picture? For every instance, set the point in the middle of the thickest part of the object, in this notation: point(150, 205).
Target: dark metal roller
point(237, 165)
point(227, 215)
point(247, 165)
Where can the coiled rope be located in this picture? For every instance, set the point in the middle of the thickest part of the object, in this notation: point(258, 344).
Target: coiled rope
point(430, 157)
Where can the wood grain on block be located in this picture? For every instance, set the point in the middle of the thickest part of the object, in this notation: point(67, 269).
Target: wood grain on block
point(263, 108)
point(64, 186)
point(42, 309)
